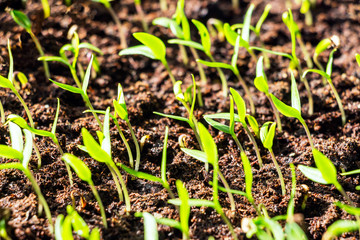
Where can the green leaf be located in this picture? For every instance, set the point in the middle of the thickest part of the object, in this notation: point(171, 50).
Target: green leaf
point(240, 104)
point(322, 46)
point(204, 34)
point(91, 47)
point(120, 110)
point(16, 137)
point(11, 62)
point(349, 209)
point(187, 43)
point(172, 116)
point(184, 207)
point(94, 148)
point(225, 116)
point(248, 176)
point(68, 87)
point(177, 90)
point(357, 171)
point(209, 145)
point(8, 152)
point(154, 43)
point(169, 23)
point(194, 202)
point(150, 226)
point(21, 19)
point(141, 175)
point(267, 134)
point(53, 128)
point(27, 148)
point(79, 167)
point(325, 166)
point(95, 234)
point(58, 227)
point(260, 80)
point(330, 63)
point(273, 226)
point(5, 83)
point(66, 231)
point(215, 64)
point(285, 109)
point(78, 224)
point(313, 174)
point(232, 122)
point(219, 126)
point(339, 227)
point(139, 50)
point(262, 19)
point(197, 154)
point(295, 97)
point(357, 57)
point(12, 165)
point(233, 191)
point(254, 125)
point(245, 33)
point(272, 52)
point(294, 231)
point(55, 59)
point(320, 72)
point(169, 222)
point(87, 75)
point(106, 142)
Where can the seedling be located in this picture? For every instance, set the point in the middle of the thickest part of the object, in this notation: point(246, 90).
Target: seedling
point(327, 76)
point(101, 152)
point(23, 151)
point(81, 87)
point(150, 226)
point(121, 110)
point(233, 67)
point(64, 226)
point(305, 9)
point(241, 117)
point(295, 110)
point(22, 20)
point(180, 27)
point(339, 227)
point(321, 47)
point(267, 133)
point(210, 150)
point(357, 57)
point(122, 36)
point(84, 174)
point(261, 84)
point(153, 48)
point(205, 47)
point(163, 180)
point(215, 27)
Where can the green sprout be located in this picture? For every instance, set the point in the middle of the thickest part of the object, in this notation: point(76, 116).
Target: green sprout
point(210, 150)
point(320, 48)
point(180, 27)
point(295, 110)
point(163, 180)
point(150, 226)
point(261, 84)
point(141, 15)
point(23, 151)
point(121, 110)
point(81, 87)
point(241, 117)
point(327, 76)
point(3, 223)
point(102, 153)
point(339, 227)
point(122, 36)
point(152, 48)
point(64, 226)
point(22, 20)
point(84, 174)
point(233, 67)
point(306, 5)
point(357, 57)
point(205, 47)
point(267, 133)
point(215, 27)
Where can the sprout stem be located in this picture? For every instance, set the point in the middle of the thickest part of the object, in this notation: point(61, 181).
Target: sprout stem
point(283, 190)
point(305, 52)
point(2, 113)
point(128, 149)
point(184, 55)
point(338, 99)
point(222, 78)
point(98, 199)
point(307, 133)
point(200, 67)
point(75, 77)
point(227, 187)
point(257, 151)
point(41, 52)
point(122, 37)
point(318, 64)
point(41, 197)
point(88, 104)
point(276, 113)
point(141, 15)
point(170, 73)
point(68, 169)
point(117, 184)
point(123, 185)
point(137, 147)
point(247, 92)
point(307, 87)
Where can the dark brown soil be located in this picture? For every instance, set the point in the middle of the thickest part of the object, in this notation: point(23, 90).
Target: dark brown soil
point(147, 88)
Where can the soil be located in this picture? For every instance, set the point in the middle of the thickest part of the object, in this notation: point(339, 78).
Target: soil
point(148, 88)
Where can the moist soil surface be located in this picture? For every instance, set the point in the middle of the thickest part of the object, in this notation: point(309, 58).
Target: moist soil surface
point(148, 88)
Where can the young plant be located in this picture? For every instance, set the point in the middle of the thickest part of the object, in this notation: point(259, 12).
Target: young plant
point(163, 180)
point(150, 226)
point(205, 47)
point(22, 20)
point(321, 47)
point(294, 61)
point(327, 76)
point(241, 117)
point(121, 110)
point(84, 174)
point(210, 150)
point(64, 226)
point(233, 67)
point(152, 48)
point(339, 227)
point(122, 36)
point(267, 133)
point(295, 110)
point(215, 27)
point(180, 27)
point(23, 151)
point(261, 84)
point(81, 87)
point(306, 5)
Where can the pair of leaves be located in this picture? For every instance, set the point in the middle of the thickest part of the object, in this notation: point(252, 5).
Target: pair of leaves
point(267, 133)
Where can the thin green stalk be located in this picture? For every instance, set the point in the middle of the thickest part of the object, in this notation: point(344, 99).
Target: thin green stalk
point(123, 186)
point(226, 185)
point(318, 64)
point(122, 36)
point(41, 197)
point(307, 87)
point(305, 52)
point(247, 92)
point(75, 77)
point(68, 169)
point(276, 113)
point(127, 146)
point(88, 104)
point(184, 55)
point(237, 142)
point(253, 140)
point(25, 107)
point(137, 147)
point(98, 199)
point(2, 113)
point(41, 52)
point(141, 15)
point(200, 67)
point(117, 184)
point(222, 78)
point(338, 99)
point(283, 190)
point(170, 73)
point(308, 133)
